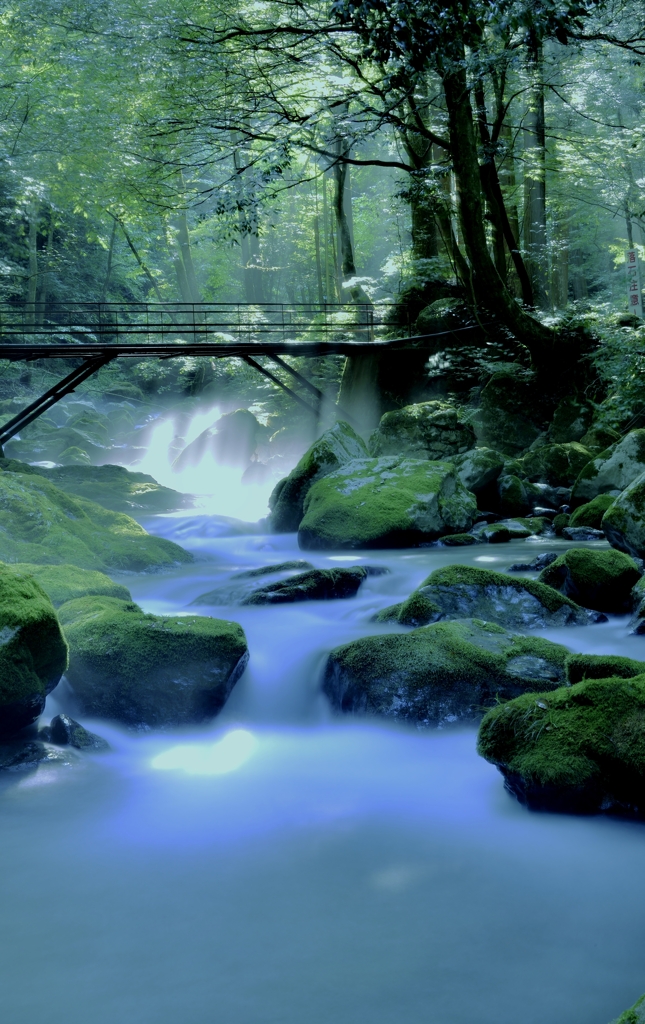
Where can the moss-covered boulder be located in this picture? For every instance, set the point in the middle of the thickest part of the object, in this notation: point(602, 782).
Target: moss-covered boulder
point(571, 419)
point(386, 502)
point(592, 512)
point(624, 521)
point(314, 585)
point(149, 670)
point(64, 583)
point(510, 415)
point(556, 464)
point(39, 523)
point(428, 430)
point(511, 529)
point(613, 470)
point(113, 487)
point(601, 666)
point(579, 748)
point(441, 673)
point(463, 591)
point(635, 1014)
point(594, 579)
point(335, 448)
point(600, 438)
point(513, 495)
point(479, 468)
point(33, 652)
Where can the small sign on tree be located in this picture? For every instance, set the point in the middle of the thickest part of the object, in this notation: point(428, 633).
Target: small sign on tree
point(634, 283)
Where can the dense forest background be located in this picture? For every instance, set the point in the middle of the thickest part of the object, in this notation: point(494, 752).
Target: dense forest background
point(384, 152)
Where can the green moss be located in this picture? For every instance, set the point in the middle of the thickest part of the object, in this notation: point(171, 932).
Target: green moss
point(149, 669)
point(63, 583)
point(41, 524)
point(113, 487)
point(556, 464)
point(513, 497)
point(387, 502)
point(561, 522)
point(446, 670)
point(417, 610)
point(584, 743)
point(467, 575)
point(430, 430)
point(594, 579)
point(635, 1014)
point(458, 540)
point(591, 514)
point(33, 653)
point(601, 666)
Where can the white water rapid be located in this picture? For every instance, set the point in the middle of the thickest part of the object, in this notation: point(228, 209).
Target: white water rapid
point(282, 866)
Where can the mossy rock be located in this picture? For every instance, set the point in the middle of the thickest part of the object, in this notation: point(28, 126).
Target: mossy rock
point(613, 470)
point(149, 670)
point(591, 514)
point(511, 529)
point(386, 502)
point(571, 420)
point(427, 430)
point(561, 522)
point(601, 666)
point(579, 749)
point(113, 487)
point(314, 585)
point(458, 540)
point(510, 415)
point(556, 464)
point(49, 442)
point(442, 673)
point(39, 523)
point(637, 623)
point(336, 447)
point(635, 1014)
point(464, 591)
point(513, 495)
point(594, 579)
point(64, 583)
point(600, 438)
point(479, 468)
point(33, 652)
point(624, 521)
point(74, 457)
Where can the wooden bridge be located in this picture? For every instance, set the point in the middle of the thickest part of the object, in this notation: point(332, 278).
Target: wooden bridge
point(98, 332)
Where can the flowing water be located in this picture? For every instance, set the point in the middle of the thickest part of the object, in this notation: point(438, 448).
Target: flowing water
point(282, 866)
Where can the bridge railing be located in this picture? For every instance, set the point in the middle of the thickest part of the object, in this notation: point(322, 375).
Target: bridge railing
point(75, 322)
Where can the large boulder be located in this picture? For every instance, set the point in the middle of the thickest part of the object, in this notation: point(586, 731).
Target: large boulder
point(464, 591)
point(479, 468)
point(580, 748)
point(231, 441)
point(149, 670)
point(624, 521)
point(386, 502)
point(335, 448)
point(40, 523)
point(64, 583)
point(444, 672)
point(511, 416)
point(112, 487)
point(33, 652)
point(613, 470)
point(428, 430)
point(594, 579)
point(556, 464)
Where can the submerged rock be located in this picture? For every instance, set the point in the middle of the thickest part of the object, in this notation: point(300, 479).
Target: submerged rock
point(33, 652)
point(315, 585)
point(243, 584)
point(463, 591)
point(440, 673)
point(335, 448)
point(23, 754)
point(579, 749)
point(386, 502)
point(150, 670)
point(64, 583)
point(296, 565)
point(41, 524)
point(64, 731)
point(428, 430)
point(537, 565)
point(613, 470)
point(594, 579)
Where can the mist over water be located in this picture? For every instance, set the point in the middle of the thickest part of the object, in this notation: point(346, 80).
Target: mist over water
point(283, 866)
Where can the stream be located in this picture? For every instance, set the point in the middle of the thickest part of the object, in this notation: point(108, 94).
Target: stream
point(283, 866)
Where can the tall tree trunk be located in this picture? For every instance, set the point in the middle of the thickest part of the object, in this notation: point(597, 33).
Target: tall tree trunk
point(489, 289)
point(180, 223)
point(535, 182)
point(108, 269)
point(32, 243)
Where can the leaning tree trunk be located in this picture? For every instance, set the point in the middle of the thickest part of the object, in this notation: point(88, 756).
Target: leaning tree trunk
point(489, 290)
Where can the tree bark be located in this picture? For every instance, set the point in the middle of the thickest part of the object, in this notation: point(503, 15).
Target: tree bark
point(535, 183)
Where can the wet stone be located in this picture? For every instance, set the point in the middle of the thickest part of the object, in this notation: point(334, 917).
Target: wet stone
point(64, 731)
point(537, 565)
